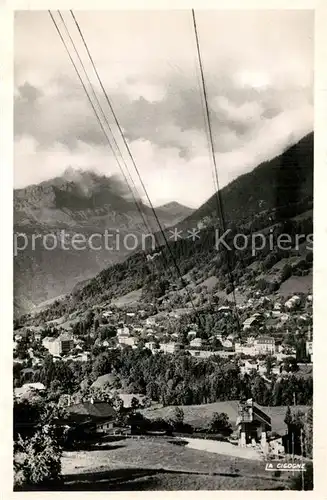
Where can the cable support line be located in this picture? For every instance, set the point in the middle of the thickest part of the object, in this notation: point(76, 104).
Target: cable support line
point(103, 114)
point(108, 125)
point(116, 120)
point(96, 114)
point(220, 213)
point(133, 161)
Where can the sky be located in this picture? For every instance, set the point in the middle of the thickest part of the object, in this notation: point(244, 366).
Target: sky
point(258, 70)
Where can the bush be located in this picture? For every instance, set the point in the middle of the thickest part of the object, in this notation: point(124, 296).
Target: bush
point(37, 460)
point(219, 424)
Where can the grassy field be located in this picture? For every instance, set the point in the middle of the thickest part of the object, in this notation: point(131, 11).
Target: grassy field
point(199, 415)
point(156, 464)
point(296, 284)
point(128, 299)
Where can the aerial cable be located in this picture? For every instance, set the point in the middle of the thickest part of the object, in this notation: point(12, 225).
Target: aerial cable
point(105, 119)
point(133, 161)
point(150, 264)
point(220, 211)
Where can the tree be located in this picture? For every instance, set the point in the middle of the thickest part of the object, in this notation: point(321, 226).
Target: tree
point(290, 365)
point(269, 365)
point(135, 403)
point(308, 433)
point(37, 460)
point(219, 423)
point(177, 420)
point(288, 417)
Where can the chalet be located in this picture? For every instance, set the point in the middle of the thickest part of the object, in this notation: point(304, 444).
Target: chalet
point(82, 357)
point(223, 354)
point(92, 417)
point(252, 423)
point(254, 320)
point(280, 356)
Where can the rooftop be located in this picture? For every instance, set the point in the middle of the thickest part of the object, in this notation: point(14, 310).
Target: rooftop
point(92, 410)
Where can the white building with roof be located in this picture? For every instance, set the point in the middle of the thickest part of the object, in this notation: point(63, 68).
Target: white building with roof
point(170, 347)
point(127, 340)
point(196, 342)
point(265, 345)
point(122, 331)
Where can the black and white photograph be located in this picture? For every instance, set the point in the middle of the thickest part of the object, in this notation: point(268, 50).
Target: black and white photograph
point(163, 250)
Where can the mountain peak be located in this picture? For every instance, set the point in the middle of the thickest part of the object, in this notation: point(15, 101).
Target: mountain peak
point(173, 205)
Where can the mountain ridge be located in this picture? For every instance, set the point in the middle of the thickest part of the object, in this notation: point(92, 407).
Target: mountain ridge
point(287, 209)
point(82, 202)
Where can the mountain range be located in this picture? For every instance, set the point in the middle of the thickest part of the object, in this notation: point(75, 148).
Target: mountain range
point(275, 196)
point(78, 202)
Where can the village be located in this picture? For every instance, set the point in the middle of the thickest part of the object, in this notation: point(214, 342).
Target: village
point(264, 334)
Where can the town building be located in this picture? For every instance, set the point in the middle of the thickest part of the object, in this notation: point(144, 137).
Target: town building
point(248, 366)
point(126, 340)
point(152, 346)
point(254, 320)
point(309, 349)
point(59, 346)
point(170, 347)
point(247, 349)
point(29, 389)
point(122, 331)
point(107, 314)
point(198, 353)
point(265, 345)
point(196, 342)
point(293, 302)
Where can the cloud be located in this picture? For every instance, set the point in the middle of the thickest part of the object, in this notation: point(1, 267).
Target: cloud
point(259, 86)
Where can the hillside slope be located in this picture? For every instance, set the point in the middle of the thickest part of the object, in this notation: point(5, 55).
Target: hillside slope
point(279, 185)
point(277, 197)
